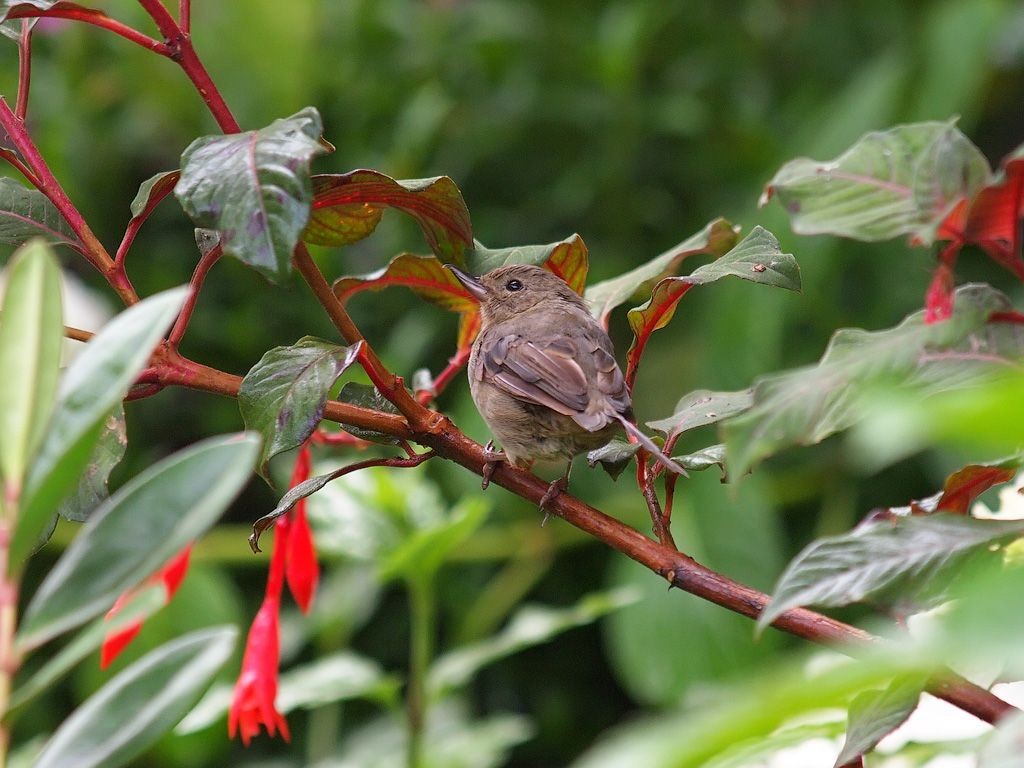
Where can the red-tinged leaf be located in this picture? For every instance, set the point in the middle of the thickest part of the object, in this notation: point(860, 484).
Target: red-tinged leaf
point(716, 239)
point(757, 258)
point(469, 327)
point(424, 275)
point(566, 258)
point(964, 486)
point(26, 213)
point(347, 207)
point(34, 9)
point(994, 217)
point(903, 181)
point(152, 191)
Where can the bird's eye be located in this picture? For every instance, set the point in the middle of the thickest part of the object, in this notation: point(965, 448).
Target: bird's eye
point(514, 285)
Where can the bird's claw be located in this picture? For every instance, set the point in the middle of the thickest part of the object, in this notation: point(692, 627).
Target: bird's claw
point(553, 492)
point(492, 459)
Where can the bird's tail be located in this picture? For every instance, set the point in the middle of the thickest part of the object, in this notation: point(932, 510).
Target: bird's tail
point(650, 446)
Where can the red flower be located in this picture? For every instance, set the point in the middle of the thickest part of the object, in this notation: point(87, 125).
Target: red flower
point(293, 561)
point(172, 574)
point(302, 571)
point(256, 689)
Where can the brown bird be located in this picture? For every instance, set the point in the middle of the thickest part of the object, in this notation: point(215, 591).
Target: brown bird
point(542, 372)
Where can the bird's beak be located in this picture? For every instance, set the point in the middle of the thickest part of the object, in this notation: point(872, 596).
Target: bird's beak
point(471, 284)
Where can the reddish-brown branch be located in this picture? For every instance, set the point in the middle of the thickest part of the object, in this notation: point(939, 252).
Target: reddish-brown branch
point(206, 262)
point(77, 334)
point(97, 19)
point(24, 69)
point(1007, 317)
point(323, 437)
point(455, 364)
point(93, 249)
point(168, 367)
point(687, 574)
point(389, 385)
point(180, 49)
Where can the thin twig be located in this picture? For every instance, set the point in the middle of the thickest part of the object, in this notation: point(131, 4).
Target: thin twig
point(206, 262)
point(77, 334)
point(24, 69)
point(93, 251)
point(389, 385)
point(455, 364)
point(12, 157)
point(185, 16)
point(97, 19)
point(181, 50)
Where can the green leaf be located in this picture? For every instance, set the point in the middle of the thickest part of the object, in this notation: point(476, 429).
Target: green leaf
point(908, 553)
point(348, 206)
point(530, 626)
point(423, 551)
point(367, 396)
point(705, 458)
point(143, 603)
point(614, 457)
point(566, 258)
point(284, 394)
point(339, 677)
point(756, 258)
point(717, 238)
point(806, 405)
point(152, 191)
point(31, 336)
point(254, 188)
point(138, 530)
point(890, 183)
point(140, 704)
point(873, 715)
point(92, 485)
point(702, 407)
point(423, 275)
point(26, 213)
point(92, 386)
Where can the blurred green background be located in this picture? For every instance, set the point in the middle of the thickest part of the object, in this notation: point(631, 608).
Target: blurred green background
point(632, 123)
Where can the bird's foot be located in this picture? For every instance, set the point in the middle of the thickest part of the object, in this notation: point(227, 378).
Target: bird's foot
point(553, 492)
point(492, 459)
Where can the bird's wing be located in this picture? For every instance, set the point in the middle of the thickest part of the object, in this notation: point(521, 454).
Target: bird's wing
point(549, 373)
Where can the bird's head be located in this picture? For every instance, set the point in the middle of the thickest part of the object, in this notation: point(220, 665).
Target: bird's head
point(509, 291)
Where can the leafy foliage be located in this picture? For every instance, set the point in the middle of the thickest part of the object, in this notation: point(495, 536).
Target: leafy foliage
point(284, 394)
point(254, 189)
point(875, 714)
point(904, 555)
point(807, 405)
point(903, 181)
point(348, 206)
point(26, 213)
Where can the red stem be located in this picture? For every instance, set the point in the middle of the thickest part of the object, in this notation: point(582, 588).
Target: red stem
point(97, 19)
point(185, 16)
point(11, 157)
point(1007, 317)
point(206, 262)
point(24, 69)
point(93, 251)
point(455, 364)
point(179, 44)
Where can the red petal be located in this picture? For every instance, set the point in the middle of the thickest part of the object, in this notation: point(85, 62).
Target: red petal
point(939, 298)
point(174, 572)
point(253, 703)
point(303, 571)
point(116, 642)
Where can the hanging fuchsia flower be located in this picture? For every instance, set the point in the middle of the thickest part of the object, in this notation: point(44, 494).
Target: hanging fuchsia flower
point(302, 571)
point(171, 576)
point(256, 689)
